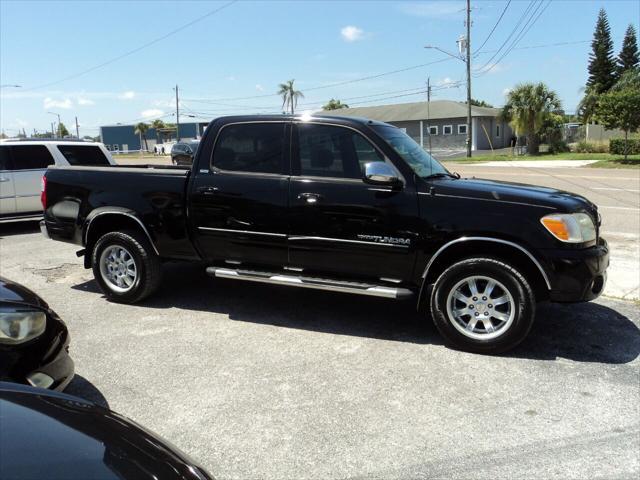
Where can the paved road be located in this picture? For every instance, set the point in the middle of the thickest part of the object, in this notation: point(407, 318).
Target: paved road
point(267, 382)
point(617, 194)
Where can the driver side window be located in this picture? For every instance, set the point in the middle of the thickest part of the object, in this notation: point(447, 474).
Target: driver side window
point(332, 151)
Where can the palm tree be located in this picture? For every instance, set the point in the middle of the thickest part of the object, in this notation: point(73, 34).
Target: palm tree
point(157, 125)
point(142, 129)
point(528, 106)
point(334, 105)
point(289, 95)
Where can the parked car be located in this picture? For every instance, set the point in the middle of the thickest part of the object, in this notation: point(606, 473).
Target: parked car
point(182, 153)
point(53, 435)
point(34, 341)
point(340, 204)
point(24, 161)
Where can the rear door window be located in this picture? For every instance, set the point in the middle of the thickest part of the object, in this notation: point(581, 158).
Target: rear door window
point(252, 147)
point(5, 159)
point(31, 157)
point(83, 155)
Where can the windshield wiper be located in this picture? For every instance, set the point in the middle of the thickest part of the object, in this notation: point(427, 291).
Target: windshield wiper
point(443, 174)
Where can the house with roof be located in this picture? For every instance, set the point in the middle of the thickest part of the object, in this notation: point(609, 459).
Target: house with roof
point(443, 122)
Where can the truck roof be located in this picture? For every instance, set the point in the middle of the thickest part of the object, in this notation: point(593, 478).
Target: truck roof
point(302, 117)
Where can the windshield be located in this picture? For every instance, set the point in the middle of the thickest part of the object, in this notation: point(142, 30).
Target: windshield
point(418, 159)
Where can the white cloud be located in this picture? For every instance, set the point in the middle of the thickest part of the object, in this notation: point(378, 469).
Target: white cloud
point(259, 87)
point(85, 101)
point(128, 95)
point(163, 103)
point(444, 82)
point(152, 112)
point(51, 103)
point(231, 78)
point(351, 33)
point(432, 9)
point(506, 91)
point(493, 68)
point(22, 123)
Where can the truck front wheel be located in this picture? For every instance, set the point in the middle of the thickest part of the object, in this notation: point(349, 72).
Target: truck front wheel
point(125, 266)
point(483, 305)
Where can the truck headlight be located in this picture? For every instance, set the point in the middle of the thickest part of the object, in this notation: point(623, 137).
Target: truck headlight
point(570, 227)
point(21, 325)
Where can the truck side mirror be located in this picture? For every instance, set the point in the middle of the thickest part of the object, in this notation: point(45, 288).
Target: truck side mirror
point(380, 173)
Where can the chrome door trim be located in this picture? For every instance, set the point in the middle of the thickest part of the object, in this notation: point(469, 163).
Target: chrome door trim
point(344, 240)
point(249, 232)
point(488, 239)
point(116, 212)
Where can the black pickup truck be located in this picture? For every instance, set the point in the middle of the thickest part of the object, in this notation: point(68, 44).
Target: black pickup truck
point(341, 204)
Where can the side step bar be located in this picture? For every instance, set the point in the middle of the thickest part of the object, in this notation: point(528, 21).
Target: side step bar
point(311, 282)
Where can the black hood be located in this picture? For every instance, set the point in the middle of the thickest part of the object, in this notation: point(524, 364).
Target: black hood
point(12, 292)
point(53, 435)
point(509, 192)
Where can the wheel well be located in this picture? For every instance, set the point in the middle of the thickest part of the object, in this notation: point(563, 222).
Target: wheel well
point(105, 223)
point(486, 248)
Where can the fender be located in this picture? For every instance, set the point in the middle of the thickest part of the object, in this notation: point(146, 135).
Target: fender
point(114, 211)
point(482, 239)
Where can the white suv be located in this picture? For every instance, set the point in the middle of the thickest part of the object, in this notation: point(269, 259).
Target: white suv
point(23, 163)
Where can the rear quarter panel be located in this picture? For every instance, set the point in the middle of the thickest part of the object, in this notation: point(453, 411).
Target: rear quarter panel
point(155, 196)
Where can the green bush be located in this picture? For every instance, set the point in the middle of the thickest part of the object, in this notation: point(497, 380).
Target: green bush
point(591, 147)
point(558, 146)
point(616, 146)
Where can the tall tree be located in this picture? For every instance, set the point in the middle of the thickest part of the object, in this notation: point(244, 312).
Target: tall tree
point(289, 96)
point(629, 58)
point(157, 125)
point(620, 109)
point(142, 129)
point(602, 66)
point(62, 130)
point(528, 107)
point(334, 105)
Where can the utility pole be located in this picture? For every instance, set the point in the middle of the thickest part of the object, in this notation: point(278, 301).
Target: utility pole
point(468, 46)
point(77, 130)
point(177, 117)
point(429, 111)
point(53, 133)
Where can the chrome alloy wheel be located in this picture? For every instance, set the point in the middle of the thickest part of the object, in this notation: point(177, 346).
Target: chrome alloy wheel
point(480, 307)
point(118, 268)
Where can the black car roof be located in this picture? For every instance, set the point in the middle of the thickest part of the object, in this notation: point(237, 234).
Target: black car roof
point(302, 117)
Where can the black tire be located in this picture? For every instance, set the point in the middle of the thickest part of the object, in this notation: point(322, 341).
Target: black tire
point(514, 330)
point(147, 265)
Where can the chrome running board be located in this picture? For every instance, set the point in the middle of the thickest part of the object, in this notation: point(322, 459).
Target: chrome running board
point(311, 282)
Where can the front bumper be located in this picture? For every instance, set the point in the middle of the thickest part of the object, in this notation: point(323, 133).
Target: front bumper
point(43, 362)
point(578, 275)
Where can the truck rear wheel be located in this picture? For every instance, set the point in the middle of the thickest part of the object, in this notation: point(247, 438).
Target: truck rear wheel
point(482, 305)
point(125, 266)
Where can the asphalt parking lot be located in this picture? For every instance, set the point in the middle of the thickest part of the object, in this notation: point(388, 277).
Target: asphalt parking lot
point(259, 381)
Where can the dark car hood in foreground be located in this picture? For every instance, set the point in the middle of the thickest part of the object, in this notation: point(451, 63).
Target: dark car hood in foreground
point(12, 292)
point(532, 195)
point(52, 435)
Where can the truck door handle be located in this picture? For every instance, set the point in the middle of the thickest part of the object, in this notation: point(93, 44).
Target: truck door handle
point(310, 198)
point(207, 190)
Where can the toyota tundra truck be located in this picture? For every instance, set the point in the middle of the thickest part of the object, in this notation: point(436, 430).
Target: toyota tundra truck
point(340, 204)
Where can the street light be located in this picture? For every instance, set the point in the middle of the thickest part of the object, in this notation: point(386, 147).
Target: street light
point(57, 115)
point(9, 85)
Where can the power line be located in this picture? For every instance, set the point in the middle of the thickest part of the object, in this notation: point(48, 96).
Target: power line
point(525, 29)
point(513, 31)
point(135, 50)
point(337, 84)
point(494, 28)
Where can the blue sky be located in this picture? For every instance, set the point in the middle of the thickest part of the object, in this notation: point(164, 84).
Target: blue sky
point(247, 48)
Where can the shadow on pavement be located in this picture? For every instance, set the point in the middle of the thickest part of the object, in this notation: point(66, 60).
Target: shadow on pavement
point(19, 228)
point(583, 332)
point(83, 388)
